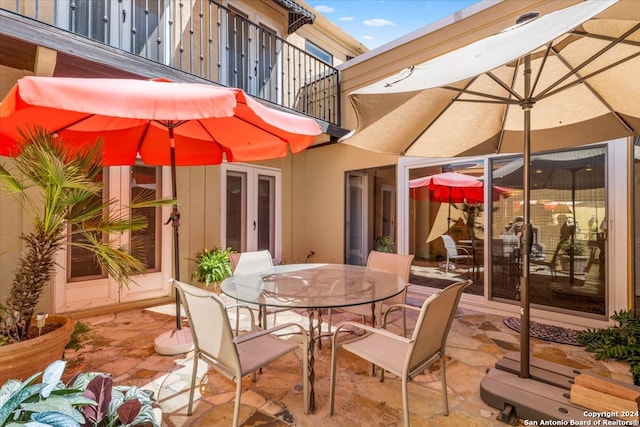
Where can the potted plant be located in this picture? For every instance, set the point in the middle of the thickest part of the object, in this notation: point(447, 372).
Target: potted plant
point(213, 266)
point(62, 194)
point(573, 249)
point(620, 342)
point(384, 244)
point(90, 399)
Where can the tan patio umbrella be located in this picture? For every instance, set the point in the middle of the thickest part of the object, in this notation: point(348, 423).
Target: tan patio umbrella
point(564, 79)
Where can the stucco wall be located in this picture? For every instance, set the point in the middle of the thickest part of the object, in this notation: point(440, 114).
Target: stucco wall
point(318, 194)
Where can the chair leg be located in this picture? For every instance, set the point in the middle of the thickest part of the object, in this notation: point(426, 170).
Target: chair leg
point(236, 406)
point(405, 400)
point(328, 326)
point(237, 320)
point(444, 385)
point(194, 372)
point(404, 322)
point(332, 378)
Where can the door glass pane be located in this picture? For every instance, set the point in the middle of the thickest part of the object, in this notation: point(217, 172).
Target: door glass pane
point(146, 20)
point(266, 213)
point(568, 213)
point(238, 49)
point(87, 19)
point(355, 249)
point(236, 210)
point(145, 185)
point(387, 213)
point(267, 65)
point(82, 263)
point(453, 209)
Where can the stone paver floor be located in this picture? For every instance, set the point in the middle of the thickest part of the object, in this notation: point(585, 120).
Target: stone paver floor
point(122, 345)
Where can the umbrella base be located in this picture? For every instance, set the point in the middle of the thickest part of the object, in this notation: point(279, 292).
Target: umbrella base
point(542, 397)
point(174, 342)
point(530, 400)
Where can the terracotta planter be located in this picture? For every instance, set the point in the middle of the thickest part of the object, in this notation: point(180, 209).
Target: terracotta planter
point(23, 359)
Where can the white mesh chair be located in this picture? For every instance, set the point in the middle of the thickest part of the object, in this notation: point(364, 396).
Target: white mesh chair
point(393, 263)
point(233, 357)
point(244, 263)
point(405, 357)
point(456, 253)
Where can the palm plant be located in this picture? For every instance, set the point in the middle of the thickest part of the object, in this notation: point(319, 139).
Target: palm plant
point(60, 191)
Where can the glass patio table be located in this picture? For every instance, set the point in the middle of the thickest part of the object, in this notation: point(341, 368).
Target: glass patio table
point(313, 287)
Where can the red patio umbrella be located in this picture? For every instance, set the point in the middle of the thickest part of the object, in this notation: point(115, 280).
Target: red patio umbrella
point(164, 123)
point(455, 187)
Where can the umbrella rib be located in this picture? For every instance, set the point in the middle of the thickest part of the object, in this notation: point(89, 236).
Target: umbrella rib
point(454, 99)
point(506, 110)
point(504, 85)
point(491, 99)
point(602, 37)
point(67, 126)
point(576, 70)
point(544, 61)
point(583, 80)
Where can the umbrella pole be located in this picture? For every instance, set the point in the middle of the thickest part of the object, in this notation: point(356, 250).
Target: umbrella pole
point(178, 340)
point(527, 230)
point(175, 223)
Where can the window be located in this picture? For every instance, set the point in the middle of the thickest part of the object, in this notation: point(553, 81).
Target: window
point(318, 52)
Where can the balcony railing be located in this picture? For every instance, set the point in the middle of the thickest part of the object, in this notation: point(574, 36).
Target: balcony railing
point(203, 38)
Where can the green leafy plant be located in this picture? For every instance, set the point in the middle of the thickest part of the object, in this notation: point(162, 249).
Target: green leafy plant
point(567, 247)
point(61, 191)
point(213, 265)
point(90, 399)
point(384, 244)
point(620, 342)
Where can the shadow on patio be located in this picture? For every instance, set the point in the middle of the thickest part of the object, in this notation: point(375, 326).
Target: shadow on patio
point(122, 344)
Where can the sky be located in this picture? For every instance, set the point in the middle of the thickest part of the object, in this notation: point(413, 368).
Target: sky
point(376, 22)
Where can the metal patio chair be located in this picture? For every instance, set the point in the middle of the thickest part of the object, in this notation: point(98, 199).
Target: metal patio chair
point(393, 263)
point(244, 263)
point(405, 357)
point(234, 357)
point(456, 253)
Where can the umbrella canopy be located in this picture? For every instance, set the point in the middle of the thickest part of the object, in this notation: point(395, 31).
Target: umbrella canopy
point(164, 123)
point(136, 117)
point(455, 187)
point(573, 73)
point(469, 100)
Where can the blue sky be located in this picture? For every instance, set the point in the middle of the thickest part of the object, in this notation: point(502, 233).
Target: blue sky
point(376, 22)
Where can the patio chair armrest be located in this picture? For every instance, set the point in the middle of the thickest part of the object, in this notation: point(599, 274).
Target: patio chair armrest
point(464, 249)
point(369, 329)
point(396, 307)
point(261, 332)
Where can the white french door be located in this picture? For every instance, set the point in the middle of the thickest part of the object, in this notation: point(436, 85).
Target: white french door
point(80, 283)
point(250, 200)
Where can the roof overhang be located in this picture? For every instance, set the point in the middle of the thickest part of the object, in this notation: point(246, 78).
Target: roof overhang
point(298, 15)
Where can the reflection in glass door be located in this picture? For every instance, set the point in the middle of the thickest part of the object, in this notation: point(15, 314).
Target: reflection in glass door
point(569, 218)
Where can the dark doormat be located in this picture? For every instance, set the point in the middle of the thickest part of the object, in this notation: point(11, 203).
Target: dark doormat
point(546, 332)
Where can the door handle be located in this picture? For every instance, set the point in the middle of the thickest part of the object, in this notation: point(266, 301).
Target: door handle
point(254, 226)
